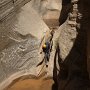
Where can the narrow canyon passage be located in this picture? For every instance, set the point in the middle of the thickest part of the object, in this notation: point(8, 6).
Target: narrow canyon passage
point(23, 32)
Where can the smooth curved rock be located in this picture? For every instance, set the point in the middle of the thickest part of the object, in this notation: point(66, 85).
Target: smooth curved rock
point(20, 34)
point(28, 21)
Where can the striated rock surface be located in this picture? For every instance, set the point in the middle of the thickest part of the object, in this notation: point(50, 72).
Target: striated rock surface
point(21, 31)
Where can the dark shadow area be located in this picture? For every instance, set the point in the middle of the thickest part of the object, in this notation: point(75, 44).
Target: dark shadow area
point(73, 73)
point(55, 85)
point(86, 25)
point(66, 8)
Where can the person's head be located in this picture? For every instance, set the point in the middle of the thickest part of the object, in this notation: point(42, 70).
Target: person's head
point(44, 46)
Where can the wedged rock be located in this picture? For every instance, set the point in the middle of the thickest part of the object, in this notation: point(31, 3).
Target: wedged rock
point(49, 10)
point(42, 6)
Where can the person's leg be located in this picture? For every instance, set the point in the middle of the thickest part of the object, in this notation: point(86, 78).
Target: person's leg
point(46, 59)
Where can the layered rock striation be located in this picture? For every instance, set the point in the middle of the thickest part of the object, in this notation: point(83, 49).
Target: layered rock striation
point(21, 31)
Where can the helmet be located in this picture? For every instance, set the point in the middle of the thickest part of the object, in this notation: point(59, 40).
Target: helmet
point(44, 46)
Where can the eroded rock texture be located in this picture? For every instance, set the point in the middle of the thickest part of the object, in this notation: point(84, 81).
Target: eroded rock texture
point(21, 31)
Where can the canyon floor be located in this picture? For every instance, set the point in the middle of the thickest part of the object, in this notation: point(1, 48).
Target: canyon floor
point(32, 84)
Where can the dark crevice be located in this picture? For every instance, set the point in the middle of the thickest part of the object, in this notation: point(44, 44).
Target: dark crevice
point(66, 8)
point(73, 73)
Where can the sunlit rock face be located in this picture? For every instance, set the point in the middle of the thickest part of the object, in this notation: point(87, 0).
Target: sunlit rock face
point(21, 31)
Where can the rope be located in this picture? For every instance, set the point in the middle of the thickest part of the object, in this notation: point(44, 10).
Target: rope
point(41, 69)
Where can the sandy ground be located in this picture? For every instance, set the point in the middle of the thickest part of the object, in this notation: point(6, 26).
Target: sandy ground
point(32, 84)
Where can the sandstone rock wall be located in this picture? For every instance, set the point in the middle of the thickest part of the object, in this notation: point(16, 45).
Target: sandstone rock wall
point(20, 36)
point(49, 10)
point(21, 31)
point(9, 6)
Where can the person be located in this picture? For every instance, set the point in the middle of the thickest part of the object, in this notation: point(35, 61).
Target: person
point(46, 50)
